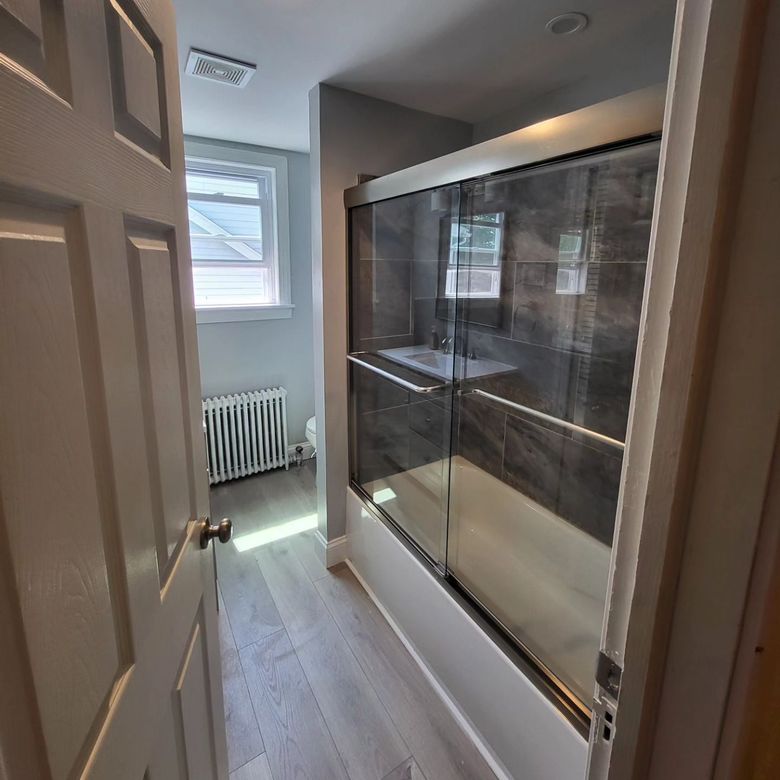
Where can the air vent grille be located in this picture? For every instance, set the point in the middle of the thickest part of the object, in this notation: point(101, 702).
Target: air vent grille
point(221, 69)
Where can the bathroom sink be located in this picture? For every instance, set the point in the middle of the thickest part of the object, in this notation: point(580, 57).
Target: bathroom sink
point(437, 360)
point(439, 364)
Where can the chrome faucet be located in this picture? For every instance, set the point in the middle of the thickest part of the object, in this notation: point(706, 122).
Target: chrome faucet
point(446, 343)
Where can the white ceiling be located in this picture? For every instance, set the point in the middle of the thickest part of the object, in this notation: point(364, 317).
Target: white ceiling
point(466, 59)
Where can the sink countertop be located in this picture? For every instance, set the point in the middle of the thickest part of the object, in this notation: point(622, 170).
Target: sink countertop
point(439, 364)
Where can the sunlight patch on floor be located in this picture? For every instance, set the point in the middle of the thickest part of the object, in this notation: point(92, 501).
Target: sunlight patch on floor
point(275, 532)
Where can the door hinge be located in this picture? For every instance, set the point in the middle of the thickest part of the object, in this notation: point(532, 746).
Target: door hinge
point(608, 674)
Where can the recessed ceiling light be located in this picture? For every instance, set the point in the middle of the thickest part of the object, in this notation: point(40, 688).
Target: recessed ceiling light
point(566, 24)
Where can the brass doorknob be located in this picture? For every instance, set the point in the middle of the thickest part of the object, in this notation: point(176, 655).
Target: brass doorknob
point(222, 531)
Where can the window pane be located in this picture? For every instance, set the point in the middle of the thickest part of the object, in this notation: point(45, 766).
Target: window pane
point(216, 184)
point(234, 263)
point(226, 284)
point(225, 219)
point(225, 250)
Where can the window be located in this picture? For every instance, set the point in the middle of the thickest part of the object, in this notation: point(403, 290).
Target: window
point(474, 268)
point(240, 257)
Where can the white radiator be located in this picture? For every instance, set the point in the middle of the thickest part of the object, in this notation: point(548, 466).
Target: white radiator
point(245, 433)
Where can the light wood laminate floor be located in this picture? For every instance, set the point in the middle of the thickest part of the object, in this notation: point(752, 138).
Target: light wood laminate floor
point(317, 685)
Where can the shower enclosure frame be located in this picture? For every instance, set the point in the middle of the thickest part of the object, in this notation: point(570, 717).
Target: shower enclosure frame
point(621, 122)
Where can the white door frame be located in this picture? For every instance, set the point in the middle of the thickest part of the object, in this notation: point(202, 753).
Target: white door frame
point(699, 444)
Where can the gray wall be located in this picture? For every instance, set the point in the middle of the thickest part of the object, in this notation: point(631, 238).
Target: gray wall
point(236, 356)
point(351, 134)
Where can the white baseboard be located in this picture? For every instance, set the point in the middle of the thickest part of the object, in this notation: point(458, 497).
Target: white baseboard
point(457, 713)
point(308, 450)
point(333, 551)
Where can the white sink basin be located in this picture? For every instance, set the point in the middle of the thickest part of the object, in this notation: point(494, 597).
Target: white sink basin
point(436, 363)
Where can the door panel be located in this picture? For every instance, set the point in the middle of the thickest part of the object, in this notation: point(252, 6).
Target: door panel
point(193, 706)
point(62, 576)
point(542, 433)
point(107, 601)
point(149, 261)
point(167, 759)
point(401, 384)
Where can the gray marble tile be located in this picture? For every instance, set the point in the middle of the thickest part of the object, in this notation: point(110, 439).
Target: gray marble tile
point(425, 277)
point(618, 307)
point(589, 489)
point(383, 443)
point(603, 395)
point(569, 477)
point(533, 460)
point(602, 321)
point(480, 434)
point(394, 227)
point(544, 379)
point(625, 192)
point(384, 298)
point(542, 316)
point(373, 393)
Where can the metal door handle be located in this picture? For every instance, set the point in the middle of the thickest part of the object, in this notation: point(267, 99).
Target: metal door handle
point(222, 531)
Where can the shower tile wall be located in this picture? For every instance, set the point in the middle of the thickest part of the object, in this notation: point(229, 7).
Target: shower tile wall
point(572, 354)
point(397, 246)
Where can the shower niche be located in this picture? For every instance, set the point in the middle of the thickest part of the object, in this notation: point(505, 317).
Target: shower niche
point(493, 333)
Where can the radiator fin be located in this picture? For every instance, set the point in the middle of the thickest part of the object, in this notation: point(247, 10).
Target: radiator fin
point(245, 433)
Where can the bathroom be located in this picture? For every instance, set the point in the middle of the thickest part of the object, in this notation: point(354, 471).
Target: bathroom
point(390, 391)
point(475, 294)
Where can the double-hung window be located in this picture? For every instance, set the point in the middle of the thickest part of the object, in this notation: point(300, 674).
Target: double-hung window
point(240, 254)
point(474, 268)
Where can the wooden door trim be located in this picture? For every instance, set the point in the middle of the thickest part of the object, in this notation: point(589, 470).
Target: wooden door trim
point(707, 115)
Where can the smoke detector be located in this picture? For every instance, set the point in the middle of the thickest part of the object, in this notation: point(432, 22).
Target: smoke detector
point(566, 24)
point(221, 69)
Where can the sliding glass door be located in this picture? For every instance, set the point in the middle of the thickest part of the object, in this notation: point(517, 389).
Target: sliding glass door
point(401, 361)
point(538, 444)
point(493, 336)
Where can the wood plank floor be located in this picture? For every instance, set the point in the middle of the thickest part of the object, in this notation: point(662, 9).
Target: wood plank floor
point(317, 685)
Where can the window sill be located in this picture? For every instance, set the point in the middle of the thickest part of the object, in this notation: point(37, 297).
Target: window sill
point(282, 311)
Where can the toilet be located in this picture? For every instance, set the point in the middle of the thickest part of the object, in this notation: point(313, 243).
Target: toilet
point(311, 434)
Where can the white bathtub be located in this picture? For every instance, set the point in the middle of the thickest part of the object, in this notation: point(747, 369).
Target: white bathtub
point(544, 579)
point(541, 576)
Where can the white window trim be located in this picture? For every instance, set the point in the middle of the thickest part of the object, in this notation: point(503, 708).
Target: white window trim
point(215, 314)
point(237, 158)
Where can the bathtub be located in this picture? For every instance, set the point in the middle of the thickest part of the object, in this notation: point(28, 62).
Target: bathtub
point(539, 576)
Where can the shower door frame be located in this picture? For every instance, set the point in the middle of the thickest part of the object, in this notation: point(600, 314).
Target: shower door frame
point(631, 119)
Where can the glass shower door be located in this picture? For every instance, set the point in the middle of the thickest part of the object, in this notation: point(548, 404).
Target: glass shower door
point(402, 361)
point(548, 283)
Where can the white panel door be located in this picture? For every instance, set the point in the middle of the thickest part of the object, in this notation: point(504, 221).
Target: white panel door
point(107, 602)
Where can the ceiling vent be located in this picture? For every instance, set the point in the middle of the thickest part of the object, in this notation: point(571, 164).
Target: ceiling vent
point(221, 69)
